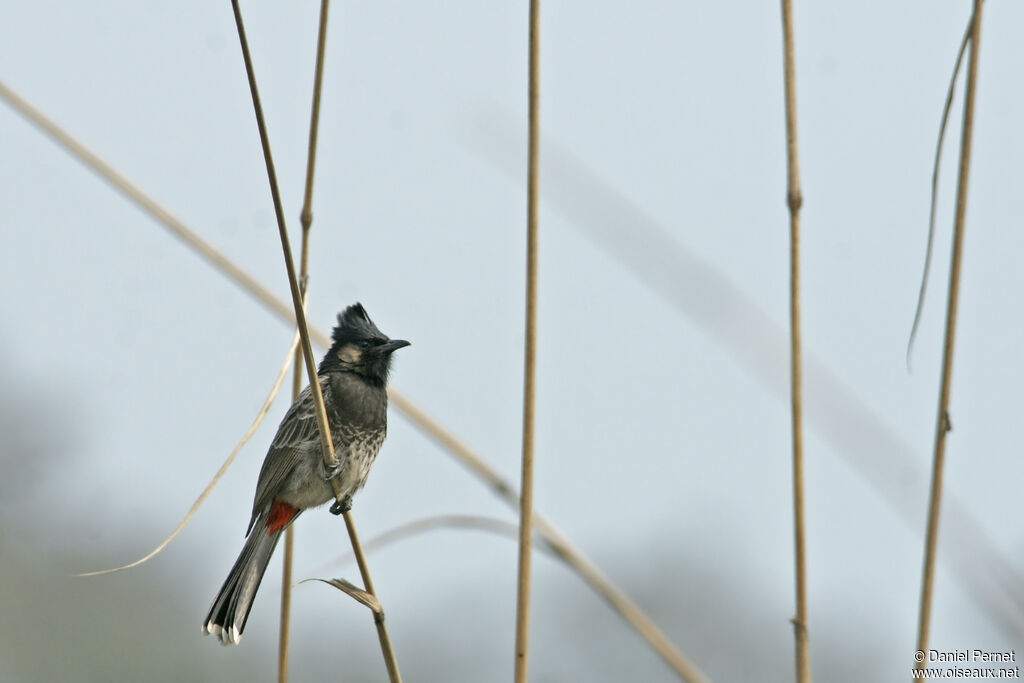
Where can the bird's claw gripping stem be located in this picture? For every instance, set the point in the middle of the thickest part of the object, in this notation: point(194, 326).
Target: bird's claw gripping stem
point(333, 470)
point(342, 506)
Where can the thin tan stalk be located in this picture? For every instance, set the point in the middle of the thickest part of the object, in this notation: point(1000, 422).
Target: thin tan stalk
point(943, 125)
point(284, 633)
point(306, 219)
point(220, 473)
point(522, 660)
point(378, 614)
point(150, 206)
point(330, 460)
point(795, 200)
point(942, 422)
point(628, 609)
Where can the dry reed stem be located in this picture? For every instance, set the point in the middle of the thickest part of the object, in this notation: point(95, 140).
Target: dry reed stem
point(629, 610)
point(283, 644)
point(149, 205)
point(587, 570)
point(330, 460)
point(942, 421)
point(530, 361)
point(378, 614)
point(284, 632)
point(220, 473)
point(935, 192)
point(283, 641)
point(306, 219)
point(795, 201)
point(622, 603)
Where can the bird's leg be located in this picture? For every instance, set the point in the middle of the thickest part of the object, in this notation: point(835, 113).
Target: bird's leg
point(345, 504)
point(342, 506)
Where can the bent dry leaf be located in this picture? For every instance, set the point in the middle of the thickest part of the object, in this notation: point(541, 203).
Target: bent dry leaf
point(358, 594)
point(943, 125)
point(220, 473)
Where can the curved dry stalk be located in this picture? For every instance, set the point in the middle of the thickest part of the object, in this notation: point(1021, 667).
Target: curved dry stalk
point(430, 427)
point(306, 218)
point(560, 544)
point(433, 523)
point(524, 582)
point(220, 473)
point(942, 422)
point(553, 543)
point(935, 192)
point(191, 238)
point(621, 603)
point(795, 201)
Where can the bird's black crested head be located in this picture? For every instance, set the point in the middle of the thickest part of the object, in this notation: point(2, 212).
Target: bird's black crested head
point(354, 325)
point(360, 347)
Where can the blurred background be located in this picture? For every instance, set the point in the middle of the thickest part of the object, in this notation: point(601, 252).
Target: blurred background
point(129, 367)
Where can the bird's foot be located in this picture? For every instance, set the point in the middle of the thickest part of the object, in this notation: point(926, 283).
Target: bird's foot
point(342, 506)
point(333, 470)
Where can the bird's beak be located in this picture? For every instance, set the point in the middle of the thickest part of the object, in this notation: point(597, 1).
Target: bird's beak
point(392, 345)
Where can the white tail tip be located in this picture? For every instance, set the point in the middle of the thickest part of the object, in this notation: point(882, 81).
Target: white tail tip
point(227, 636)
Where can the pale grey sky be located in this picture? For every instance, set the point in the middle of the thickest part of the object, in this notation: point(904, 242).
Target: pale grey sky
point(130, 368)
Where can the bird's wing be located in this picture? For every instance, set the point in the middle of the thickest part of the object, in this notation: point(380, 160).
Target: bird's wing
point(297, 434)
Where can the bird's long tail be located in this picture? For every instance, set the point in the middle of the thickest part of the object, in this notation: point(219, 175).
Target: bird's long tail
point(230, 608)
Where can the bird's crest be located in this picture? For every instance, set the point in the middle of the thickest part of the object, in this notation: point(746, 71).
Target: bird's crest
point(354, 324)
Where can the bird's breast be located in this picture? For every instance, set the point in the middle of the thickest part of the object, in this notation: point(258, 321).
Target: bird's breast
point(358, 403)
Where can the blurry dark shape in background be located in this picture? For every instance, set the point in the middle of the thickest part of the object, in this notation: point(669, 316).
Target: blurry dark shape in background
point(759, 344)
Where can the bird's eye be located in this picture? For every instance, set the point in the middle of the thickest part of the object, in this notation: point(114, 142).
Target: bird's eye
point(363, 343)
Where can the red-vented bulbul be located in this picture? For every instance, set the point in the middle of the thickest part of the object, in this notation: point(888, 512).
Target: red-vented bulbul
point(353, 378)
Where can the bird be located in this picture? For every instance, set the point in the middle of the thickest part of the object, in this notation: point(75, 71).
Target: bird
point(353, 378)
